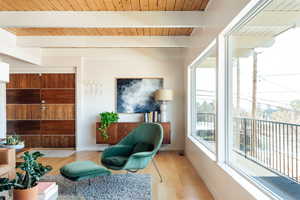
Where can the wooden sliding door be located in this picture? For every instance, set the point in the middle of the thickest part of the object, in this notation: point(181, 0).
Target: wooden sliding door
point(41, 109)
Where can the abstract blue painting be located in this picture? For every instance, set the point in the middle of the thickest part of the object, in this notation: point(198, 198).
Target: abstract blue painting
point(136, 95)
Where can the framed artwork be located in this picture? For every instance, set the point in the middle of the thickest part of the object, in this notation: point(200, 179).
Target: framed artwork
point(136, 95)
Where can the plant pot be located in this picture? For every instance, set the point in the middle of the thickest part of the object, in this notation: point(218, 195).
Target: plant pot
point(26, 194)
point(17, 146)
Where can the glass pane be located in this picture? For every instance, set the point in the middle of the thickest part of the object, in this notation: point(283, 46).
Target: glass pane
point(265, 124)
point(205, 101)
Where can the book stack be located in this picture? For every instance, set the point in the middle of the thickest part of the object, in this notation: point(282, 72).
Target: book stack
point(47, 191)
point(152, 117)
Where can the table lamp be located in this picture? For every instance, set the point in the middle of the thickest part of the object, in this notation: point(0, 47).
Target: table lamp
point(163, 96)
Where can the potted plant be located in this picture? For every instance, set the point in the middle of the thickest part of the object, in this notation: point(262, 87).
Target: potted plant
point(25, 183)
point(106, 119)
point(13, 142)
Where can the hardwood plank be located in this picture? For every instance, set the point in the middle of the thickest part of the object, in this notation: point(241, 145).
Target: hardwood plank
point(153, 4)
point(23, 127)
point(58, 112)
point(23, 112)
point(23, 81)
point(58, 81)
point(23, 96)
point(58, 96)
point(58, 127)
point(181, 181)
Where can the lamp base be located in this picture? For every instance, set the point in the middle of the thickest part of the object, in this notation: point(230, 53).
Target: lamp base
point(163, 112)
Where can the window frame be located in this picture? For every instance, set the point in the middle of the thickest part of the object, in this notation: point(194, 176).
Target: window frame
point(192, 101)
point(225, 74)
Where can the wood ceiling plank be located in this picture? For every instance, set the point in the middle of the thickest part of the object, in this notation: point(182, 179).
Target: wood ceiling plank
point(153, 4)
point(126, 4)
point(6, 6)
point(162, 4)
point(91, 5)
point(172, 31)
point(109, 5)
point(75, 5)
point(118, 5)
point(196, 4)
point(140, 31)
point(135, 5)
point(144, 5)
point(99, 31)
point(165, 32)
point(170, 5)
point(65, 4)
point(147, 31)
point(83, 4)
point(188, 4)
point(204, 4)
point(100, 5)
point(179, 5)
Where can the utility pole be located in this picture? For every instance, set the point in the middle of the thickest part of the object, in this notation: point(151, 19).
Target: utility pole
point(238, 86)
point(254, 84)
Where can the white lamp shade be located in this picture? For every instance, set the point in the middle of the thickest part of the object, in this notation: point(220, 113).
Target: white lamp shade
point(164, 95)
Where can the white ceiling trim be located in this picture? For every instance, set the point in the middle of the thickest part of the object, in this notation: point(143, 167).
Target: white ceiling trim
point(103, 41)
point(102, 19)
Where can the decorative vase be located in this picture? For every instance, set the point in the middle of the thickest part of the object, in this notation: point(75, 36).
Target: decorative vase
point(26, 194)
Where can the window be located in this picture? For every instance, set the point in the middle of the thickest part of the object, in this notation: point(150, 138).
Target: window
point(264, 98)
point(204, 99)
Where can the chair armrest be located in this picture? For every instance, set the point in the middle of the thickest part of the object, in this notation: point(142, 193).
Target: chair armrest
point(117, 150)
point(8, 157)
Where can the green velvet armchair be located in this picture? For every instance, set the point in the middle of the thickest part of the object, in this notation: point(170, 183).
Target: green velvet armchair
point(135, 151)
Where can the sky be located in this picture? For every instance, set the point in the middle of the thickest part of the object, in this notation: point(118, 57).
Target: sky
point(278, 74)
point(278, 71)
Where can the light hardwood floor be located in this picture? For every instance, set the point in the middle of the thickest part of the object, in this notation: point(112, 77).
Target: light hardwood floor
point(180, 178)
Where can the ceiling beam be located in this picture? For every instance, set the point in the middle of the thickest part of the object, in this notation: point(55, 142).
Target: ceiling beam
point(103, 19)
point(103, 41)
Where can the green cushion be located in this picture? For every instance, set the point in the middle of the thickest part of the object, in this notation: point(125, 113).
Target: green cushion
point(142, 147)
point(115, 160)
point(80, 169)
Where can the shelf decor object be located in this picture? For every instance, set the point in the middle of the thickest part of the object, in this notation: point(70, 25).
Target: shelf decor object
point(163, 96)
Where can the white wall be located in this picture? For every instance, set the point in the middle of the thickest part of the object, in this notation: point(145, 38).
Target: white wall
point(2, 110)
point(105, 65)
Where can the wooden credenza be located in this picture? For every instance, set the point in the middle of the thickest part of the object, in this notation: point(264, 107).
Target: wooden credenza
point(118, 131)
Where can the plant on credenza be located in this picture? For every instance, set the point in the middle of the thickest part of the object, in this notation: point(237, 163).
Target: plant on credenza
point(25, 184)
point(106, 119)
point(13, 141)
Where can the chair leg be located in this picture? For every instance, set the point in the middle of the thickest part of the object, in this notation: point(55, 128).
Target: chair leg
point(89, 182)
point(75, 188)
point(154, 163)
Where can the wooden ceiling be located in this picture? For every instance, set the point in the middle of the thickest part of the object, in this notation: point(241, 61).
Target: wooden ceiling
point(101, 31)
point(102, 5)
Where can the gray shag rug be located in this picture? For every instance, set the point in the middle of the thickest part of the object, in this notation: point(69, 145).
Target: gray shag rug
point(112, 187)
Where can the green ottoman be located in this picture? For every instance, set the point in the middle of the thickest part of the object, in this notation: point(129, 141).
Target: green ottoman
point(80, 170)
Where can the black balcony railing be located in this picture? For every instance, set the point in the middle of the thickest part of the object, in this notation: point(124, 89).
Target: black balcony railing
point(273, 145)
